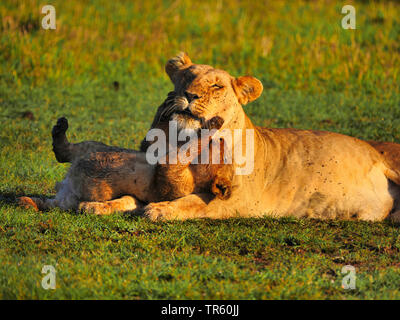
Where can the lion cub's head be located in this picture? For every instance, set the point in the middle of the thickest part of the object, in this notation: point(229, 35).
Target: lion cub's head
point(203, 93)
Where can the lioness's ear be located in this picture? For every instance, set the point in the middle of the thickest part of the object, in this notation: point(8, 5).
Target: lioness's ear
point(247, 89)
point(181, 61)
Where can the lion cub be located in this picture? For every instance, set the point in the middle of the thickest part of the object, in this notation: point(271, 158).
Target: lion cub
point(103, 179)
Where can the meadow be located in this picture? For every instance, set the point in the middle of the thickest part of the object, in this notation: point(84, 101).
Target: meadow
point(103, 68)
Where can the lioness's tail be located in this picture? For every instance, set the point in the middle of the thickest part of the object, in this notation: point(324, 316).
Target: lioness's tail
point(391, 153)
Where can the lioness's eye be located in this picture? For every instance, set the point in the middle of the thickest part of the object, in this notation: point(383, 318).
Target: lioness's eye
point(216, 85)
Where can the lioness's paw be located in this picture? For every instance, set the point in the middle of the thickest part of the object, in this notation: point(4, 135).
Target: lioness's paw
point(60, 128)
point(97, 208)
point(158, 211)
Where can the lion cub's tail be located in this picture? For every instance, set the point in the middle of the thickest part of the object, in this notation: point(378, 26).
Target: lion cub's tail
point(69, 152)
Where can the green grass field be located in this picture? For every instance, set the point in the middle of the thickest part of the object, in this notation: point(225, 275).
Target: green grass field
point(316, 75)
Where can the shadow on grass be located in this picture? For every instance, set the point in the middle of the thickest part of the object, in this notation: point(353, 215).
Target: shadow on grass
point(11, 199)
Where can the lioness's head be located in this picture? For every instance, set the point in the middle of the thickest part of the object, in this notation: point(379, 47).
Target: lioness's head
point(203, 93)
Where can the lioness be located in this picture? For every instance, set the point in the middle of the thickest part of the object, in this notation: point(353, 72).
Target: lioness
point(301, 173)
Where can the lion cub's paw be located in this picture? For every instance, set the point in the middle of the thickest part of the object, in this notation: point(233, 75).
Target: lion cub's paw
point(158, 211)
point(27, 203)
point(222, 188)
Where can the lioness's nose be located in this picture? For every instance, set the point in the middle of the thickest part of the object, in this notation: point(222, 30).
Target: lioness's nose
point(191, 96)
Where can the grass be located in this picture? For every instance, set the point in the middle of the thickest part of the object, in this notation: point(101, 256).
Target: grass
point(316, 76)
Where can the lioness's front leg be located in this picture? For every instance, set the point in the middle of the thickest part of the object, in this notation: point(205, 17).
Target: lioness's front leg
point(123, 204)
point(188, 207)
point(193, 206)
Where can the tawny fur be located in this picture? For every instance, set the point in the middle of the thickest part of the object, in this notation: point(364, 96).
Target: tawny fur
point(99, 175)
point(300, 173)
